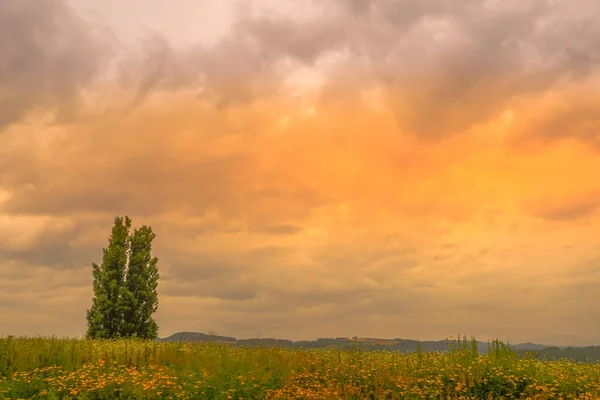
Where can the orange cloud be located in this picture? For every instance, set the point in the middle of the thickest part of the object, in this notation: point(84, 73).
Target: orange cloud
point(391, 200)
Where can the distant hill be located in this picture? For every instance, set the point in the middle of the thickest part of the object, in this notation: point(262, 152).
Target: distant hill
point(196, 337)
point(582, 354)
point(530, 346)
point(541, 351)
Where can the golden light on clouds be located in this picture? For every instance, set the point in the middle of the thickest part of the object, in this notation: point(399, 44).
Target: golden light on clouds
point(314, 185)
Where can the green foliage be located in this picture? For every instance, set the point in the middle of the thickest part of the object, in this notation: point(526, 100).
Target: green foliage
point(39, 368)
point(140, 299)
point(125, 286)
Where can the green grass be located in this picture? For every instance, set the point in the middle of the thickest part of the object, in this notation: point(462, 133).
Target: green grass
point(50, 368)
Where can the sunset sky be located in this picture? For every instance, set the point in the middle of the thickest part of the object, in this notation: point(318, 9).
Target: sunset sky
point(391, 168)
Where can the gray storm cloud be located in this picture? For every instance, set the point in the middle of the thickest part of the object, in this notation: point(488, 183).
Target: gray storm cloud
point(48, 57)
point(444, 65)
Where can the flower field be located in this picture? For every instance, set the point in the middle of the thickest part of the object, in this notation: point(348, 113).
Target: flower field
point(50, 368)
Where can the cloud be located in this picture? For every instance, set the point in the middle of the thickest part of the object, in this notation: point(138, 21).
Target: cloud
point(156, 53)
point(568, 209)
point(565, 114)
point(52, 242)
point(49, 57)
point(282, 229)
point(420, 169)
point(442, 69)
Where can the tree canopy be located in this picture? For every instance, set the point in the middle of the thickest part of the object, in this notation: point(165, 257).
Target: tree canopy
point(125, 285)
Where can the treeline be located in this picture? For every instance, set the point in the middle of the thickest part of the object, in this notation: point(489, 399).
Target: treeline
point(579, 354)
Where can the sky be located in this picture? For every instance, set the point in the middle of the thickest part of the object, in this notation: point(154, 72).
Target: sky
point(311, 169)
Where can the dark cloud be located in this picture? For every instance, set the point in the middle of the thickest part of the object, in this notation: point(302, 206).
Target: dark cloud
point(233, 264)
point(56, 253)
point(218, 182)
point(281, 36)
point(569, 209)
point(221, 184)
point(274, 282)
point(156, 52)
point(445, 66)
point(382, 259)
point(446, 85)
point(61, 246)
point(48, 57)
point(575, 115)
point(282, 229)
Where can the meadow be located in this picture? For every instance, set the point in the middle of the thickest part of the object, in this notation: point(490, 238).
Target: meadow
point(52, 368)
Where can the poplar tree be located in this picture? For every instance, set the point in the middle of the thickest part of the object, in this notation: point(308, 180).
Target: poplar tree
point(125, 285)
point(139, 297)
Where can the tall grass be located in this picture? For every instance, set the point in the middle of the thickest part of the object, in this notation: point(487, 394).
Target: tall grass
point(52, 368)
